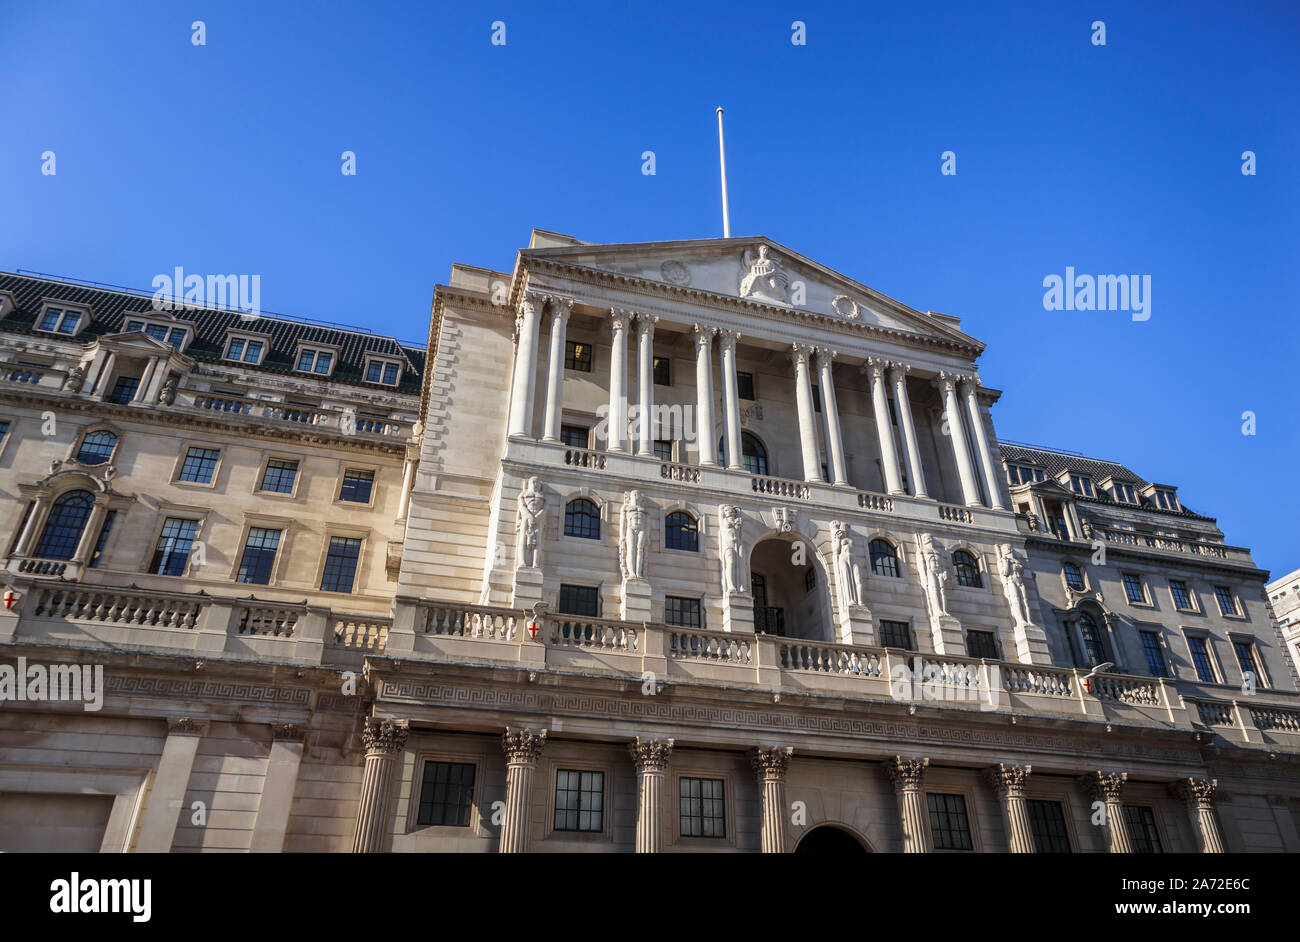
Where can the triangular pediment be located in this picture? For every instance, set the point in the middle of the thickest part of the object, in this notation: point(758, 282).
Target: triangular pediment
point(755, 269)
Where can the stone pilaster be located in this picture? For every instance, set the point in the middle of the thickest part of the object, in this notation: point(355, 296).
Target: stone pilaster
point(1109, 787)
point(770, 765)
point(384, 741)
point(650, 756)
point(171, 779)
point(1199, 794)
point(523, 747)
point(1009, 783)
point(907, 776)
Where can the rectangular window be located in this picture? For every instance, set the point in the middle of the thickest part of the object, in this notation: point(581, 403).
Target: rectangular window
point(446, 794)
point(1124, 493)
point(579, 800)
point(1178, 590)
point(809, 580)
point(357, 485)
point(341, 564)
point(949, 826)
point(60, 321)
point(4, 430)
point(70, 322)
point(199, 465)
point(895, 634)
point(382, 372)
point(577, 356)
point(575, 436)
point(156, 331)
point(745, 385)
point(816, 398)
point(100, 541)
point(1047, 823)
point(1133, 587)
point(176, 337)
point(253, 351)
point(579, 600)
point(1227, 604)
point(258, 561)
point(663, 449)
point(279, 476)
point(1154, 652)
point(50, 319)
point(315, 361)
point(1245, 651)
point(1081, 484)
point(236, 349)
point(662, 371)
point(981, 644)
point(175, 541)
point(1201, 659)
point(125, 389)
point(1142, 830)
point(703, 813)
point(682, 613)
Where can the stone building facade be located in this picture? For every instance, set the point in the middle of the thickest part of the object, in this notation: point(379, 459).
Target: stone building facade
point(1284, 597)
point(685, 546)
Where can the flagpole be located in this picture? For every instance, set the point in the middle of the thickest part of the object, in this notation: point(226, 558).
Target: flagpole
point(722, 159)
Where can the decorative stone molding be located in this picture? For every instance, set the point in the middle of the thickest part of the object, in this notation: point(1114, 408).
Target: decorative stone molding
point(762, 276)
point(770, 762)
point(675, 272)
point(384, 737)
point(523, 746)
point(1104, 786)
point(619, 319)
point(702, 335)
point(288, 732)
point(906, 774)
point(650, 755)
point(1008, 780)
point(845, 307)
point(186, 726)
point(1195, 791)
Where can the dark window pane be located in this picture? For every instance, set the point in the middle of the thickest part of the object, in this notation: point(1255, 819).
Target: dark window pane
point(1133, 587)
point(895, 634)
point(1227, 604)
point(577, 356)
point(1093, 647)
point(356, 486)
point(702, 811)
point(199, 465)
point(1155, 654)
point(125, 389)
point(1047, 823)
point(582, 519)
point(1179, 591)
point(174, 544)
point(341, 564)
point(97, 447)
point(102, 538)
point(1142, 830)
point(884, 561)
point(681, 532)
point(949, 825)
point(575, 436)
point(968, 570)
point(662, 373)
point(258, 560)
point(579, 800)
point(663, 449)
point(683, 613)
point(1073, 576)
point(745, 385)
point(1245, 651)
point(981, 644)
point(1201, 659)
point(63, 527)
point(446, 794)
point(279, 476)
point(579, 600)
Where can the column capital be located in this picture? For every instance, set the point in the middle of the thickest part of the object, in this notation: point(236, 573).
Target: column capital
point(703, 335)
point(906, 774)
point(1104, 786)
point(561, 308)
point(186, 726)
point(825, 356)
point(899, 370)
point(650, 755)
point(801, 353)
point(645, 323)
point(1195, 791)
point(948, 379)
point(532, 302)
point(522, 746)
point(1008, 780)
point(770, 762)
point(384, 737)
point(876, 366)
point(620, 318)
point(727, 337)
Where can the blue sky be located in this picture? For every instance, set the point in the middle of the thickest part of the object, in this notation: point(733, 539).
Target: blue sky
point(1117, 159)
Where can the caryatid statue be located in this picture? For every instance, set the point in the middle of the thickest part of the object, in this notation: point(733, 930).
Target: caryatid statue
point(848, 574)
point(1013, 583)
point(934, 576)
point(532, 505)
point(634, 528)
point(730, 549)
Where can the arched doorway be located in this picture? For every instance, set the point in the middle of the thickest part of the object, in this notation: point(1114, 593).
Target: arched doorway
point(790, 592)
point(829, 840)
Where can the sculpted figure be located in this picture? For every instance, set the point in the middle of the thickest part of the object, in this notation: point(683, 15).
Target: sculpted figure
point(934, 576)
point(76, 376)
point(633, 529)
point(848, 574)
point(729, 522)
point(1013, 583)
point(529, 523)
point(167, 395)
point(764, 277)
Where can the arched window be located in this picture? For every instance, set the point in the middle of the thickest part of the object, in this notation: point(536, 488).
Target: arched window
point(968, 570)
point(681, 532)
point(97, 447)
point(884, 559)
point(752, 453)
point(1073, 576)
point(63, 529)
point(1093, 646)
point(582, 518)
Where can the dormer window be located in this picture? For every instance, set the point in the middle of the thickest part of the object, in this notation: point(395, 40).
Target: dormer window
point(1081, 484)
point(162, 331)
point(61, 320)
point(313, 360)
point(245, 350)
point(1023, 474)
point(1166, 500)
point(383, 372)
point(1123, 493)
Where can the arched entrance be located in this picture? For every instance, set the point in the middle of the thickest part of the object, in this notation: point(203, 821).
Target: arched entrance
point(829, 840)
point(788, 581)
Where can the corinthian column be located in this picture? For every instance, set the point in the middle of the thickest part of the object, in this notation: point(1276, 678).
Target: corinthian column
point(915, 472)
point(525, 375)
point(1109, 787)
point(645, 358)
point(560, 308)
point(834, 435)
point(650, 756)
point(952, 416)
point(384, 741)
point(770, 765)
point(907, 776)
point(731, 397)
point(799, 355)
point(1009, 782)
point(875, 369)
point(971, 388)
point(616, 422)
point(1199, 795)
point(705, 431)
point(523, 747)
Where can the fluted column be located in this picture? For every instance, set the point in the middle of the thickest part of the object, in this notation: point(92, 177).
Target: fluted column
point(523, 747)
point(907, 776)
point(799, 356)
point(770, 765)
point(384, 741)
point(915, 471)
point(105, 374)
point(560, 309)
point(616, 436)
point(1009, 783)
point(1198, 793)
point(650, 756)
point(1109, 787)
point(706, 432)
point(830, 407)
point(731, 397)
point(645, 359)
point(965, 469)
point(991, 480)
point(90, 533)
point(525, 374)
point(875, 369)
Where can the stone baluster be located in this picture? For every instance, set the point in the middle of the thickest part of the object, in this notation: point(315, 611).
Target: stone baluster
point(650, 756)
point(907, 776)
point(523, 747)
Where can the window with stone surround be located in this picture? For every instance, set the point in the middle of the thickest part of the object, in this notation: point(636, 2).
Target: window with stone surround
point(446, 794)
point(949, 824)
point(1047, 824)
point(702, 807)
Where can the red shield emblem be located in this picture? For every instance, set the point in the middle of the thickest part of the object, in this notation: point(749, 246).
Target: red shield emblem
point(532, 628)
point(10, 597)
